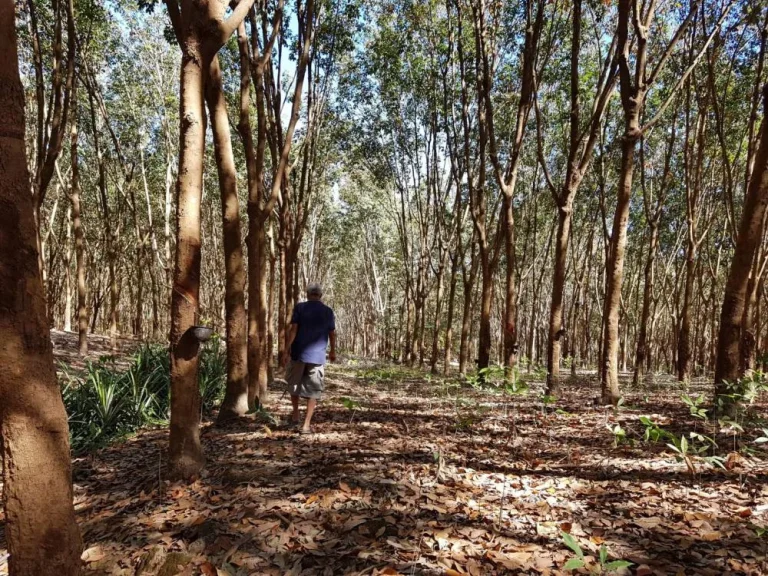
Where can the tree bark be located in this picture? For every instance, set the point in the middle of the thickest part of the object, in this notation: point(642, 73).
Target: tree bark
point(77, 227)
point(615, 272)
point(42, 536)
point(727, 368)
point(642, 353)
point(438, 311)
point(486, 299)
point(186, 453)
point(449, 319)
point(200, 29)
point(510, 298)
point(556, 331)
point(684, 341)
point(235, 403)
point(109, 233)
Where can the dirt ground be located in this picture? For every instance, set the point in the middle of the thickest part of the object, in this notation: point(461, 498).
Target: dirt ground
point(412, 475)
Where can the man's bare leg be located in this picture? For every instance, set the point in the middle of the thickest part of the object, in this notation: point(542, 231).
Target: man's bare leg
point(311, 403)
point(295, 415)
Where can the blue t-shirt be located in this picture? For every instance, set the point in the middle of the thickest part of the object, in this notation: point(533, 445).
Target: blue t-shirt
point(315, 322)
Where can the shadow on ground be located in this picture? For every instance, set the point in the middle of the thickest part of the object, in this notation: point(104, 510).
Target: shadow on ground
point(420, 479)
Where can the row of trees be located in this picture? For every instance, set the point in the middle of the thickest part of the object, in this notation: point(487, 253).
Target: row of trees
point(111, 259)
point(582, 190)
point(109, 130)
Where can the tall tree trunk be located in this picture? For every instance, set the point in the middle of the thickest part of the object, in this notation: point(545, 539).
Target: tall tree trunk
point(684, 341)
point(138, 321)
point(235, 403)
point(418, 311)
point(749, 237)
point(556, 331)
point(642, 353)
point(77, 228)
point(169, 183)
point(486, 299)
point(201, 30)
point(438, 311)
point(510, 299)
point(109, 232)
point(67, 262)
point(466, 321)
point(408, 334)
point(258, 352)
point(270, 324)
point(615, 273)
point(422, 333)
point(41, 532)
point(281, 303)
point(449, 319)
point(155, 304)
point(186, 453)
point(748, 345)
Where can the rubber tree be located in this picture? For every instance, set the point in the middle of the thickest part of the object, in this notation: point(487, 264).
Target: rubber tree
point(581, 145)
point(506, 176)
point(235, 403)
point(201, 30)
point(42, 535)
point(727, 367)
point(634, 87)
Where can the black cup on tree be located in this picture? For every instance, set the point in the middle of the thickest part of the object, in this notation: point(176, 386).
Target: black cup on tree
point(201, 333)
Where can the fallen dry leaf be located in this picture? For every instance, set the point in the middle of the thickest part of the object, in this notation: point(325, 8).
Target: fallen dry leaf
point(368, 499)
point(93, 554)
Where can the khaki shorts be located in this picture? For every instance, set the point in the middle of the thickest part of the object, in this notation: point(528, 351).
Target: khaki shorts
point(305, 379)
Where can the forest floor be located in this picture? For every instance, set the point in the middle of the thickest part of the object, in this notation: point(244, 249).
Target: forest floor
point(412, 475)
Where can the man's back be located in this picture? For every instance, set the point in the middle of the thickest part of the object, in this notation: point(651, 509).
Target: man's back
point(315, 321)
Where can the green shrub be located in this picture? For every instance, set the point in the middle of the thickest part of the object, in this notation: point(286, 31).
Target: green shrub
point(106, 401)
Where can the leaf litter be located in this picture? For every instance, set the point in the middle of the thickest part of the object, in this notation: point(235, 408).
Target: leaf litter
point(422, 479)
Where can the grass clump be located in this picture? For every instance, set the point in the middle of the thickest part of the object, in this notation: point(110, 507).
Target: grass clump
point(109, 400)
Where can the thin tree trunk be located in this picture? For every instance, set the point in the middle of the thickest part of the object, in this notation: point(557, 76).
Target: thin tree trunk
point(642, 354)
point(510, 308)
point(449, 319)
point(138, 322)
point(68, 276)
point(615, 274)
point(556, 331)
point(684, 341)
point(235, 403)
point(438, 310)
point(77, 227)
point(466, 320)
point(486, 299)
point(109, 234)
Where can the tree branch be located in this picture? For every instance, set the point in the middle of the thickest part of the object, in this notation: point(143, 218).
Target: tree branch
point(673, 93)
point(228, 26)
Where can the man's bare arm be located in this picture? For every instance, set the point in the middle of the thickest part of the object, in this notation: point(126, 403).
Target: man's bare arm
point(332, 355)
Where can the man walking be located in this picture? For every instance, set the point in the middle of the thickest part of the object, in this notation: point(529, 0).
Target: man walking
point(312, 326)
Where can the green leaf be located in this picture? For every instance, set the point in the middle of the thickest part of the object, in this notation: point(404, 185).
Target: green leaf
point(570, 541)
point(574, 564)
point(675, 448)
point(603, 554)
